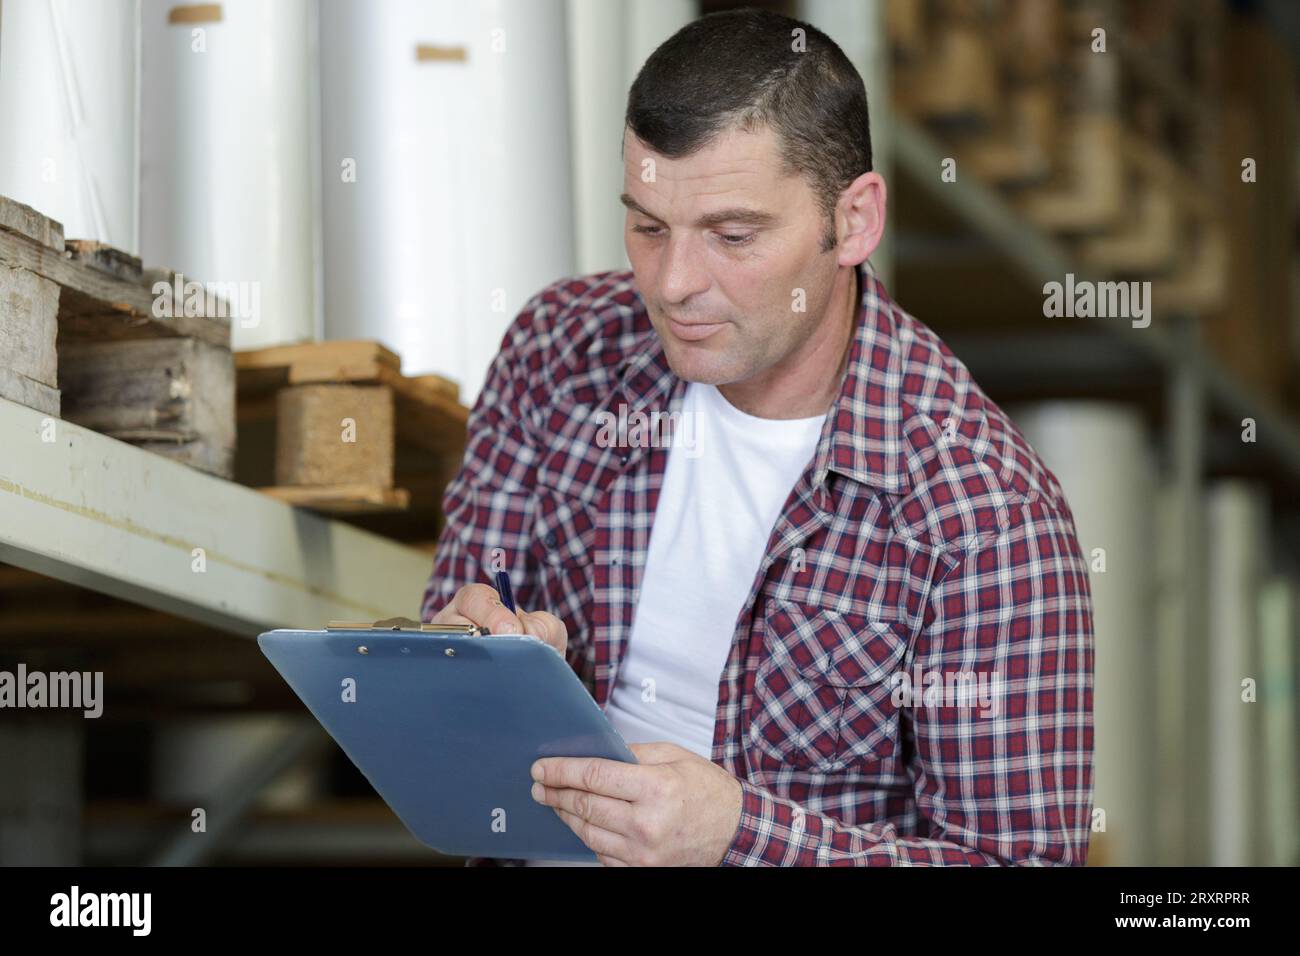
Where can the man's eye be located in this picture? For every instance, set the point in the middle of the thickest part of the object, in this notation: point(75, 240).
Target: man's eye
point(736, 240)
point(647, 230)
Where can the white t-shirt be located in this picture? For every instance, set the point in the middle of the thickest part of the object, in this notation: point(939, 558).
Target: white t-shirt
point(728, 477)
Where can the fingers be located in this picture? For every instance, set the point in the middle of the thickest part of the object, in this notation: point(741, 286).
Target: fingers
point(610, 848)
point(480, 604)
point(606, 813)
point(548, 627)
point(610, 778)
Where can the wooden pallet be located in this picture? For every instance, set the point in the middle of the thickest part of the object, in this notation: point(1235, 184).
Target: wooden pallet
point(336, 427)
point(1103, 151)
point(81, 339)
point(946, 69)
point(29, 308)
point(1254, 331)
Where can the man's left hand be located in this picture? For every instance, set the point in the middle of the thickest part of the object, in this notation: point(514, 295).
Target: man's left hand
point(674, 808)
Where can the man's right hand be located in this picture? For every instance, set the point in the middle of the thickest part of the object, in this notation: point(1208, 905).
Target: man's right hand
point(480, 604)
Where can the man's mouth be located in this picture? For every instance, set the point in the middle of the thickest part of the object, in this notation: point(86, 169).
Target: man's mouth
point(694, 331)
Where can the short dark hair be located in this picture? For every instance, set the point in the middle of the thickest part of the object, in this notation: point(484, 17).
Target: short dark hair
point(742, 69)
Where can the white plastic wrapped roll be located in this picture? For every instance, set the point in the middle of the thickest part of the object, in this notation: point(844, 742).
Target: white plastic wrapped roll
point(1279, 630)
point(1099, 452)
point(69, 73)
point(446, 182)
point(1236, 562)
point(230, 157)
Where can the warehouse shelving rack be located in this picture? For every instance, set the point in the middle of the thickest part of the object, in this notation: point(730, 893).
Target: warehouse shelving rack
point(1199, 405)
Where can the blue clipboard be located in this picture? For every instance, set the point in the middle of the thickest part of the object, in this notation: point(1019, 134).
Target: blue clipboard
point(445, 725)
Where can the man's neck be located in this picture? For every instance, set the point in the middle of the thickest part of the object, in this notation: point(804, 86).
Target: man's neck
point(790, 399)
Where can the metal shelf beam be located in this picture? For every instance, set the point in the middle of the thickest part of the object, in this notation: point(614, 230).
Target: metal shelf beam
point(102, 514)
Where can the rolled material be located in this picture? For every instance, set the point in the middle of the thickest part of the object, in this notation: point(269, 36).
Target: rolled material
point(230, 157)
point(1099, 452)
point(1173, 651)
point(609, 41)
point(69, 76)
point(859, 30)
point(446, 182)
point(1278, 633)
point(650, 22)
point(598, 63)
point(1237, 514)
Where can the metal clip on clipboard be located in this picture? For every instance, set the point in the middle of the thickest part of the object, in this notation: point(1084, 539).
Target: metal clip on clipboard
point(405, 625)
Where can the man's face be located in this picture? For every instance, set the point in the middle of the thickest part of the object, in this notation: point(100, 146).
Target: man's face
point(721, 242)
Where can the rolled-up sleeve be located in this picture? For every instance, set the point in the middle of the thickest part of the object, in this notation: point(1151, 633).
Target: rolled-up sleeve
point(1002, 775)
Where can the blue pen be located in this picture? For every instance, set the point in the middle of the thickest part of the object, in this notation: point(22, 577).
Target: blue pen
point(503, 588)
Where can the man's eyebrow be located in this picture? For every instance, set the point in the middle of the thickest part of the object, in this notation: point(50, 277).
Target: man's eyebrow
point(739, 215)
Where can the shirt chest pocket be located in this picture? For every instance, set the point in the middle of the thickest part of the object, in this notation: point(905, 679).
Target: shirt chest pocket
point(823, 691)
point(563, 531)
point(561, 541)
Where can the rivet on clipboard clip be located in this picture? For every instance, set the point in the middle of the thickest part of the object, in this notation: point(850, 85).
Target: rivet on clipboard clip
point(406, 625)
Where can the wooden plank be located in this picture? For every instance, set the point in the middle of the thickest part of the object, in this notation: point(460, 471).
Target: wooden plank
point(1147, 240)
point(905, 27)
point(26, 221)
point(29, 308)
point(1144, 245)
point(1017, 151)
point(106, 259)
point(428, 409)
point(956, 81)
point(314, 446)
point(1030, 41)
point(94, 304)
point(24, 391)
point(440, 384)
point(1252, 332)
point(428, 420)
point(172, 396)
point(1199, 285)
point(342, 499)
point(344, 360)
point(1088, 195)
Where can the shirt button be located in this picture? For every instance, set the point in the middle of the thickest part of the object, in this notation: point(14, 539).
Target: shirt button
point(550, 539)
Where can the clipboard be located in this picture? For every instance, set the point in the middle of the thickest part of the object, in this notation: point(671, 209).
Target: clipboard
point(445, 722)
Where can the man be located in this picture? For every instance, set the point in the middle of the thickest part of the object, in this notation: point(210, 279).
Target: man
point(840, 612)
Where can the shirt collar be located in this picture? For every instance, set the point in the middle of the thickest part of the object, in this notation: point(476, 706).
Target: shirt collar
point(862, 438)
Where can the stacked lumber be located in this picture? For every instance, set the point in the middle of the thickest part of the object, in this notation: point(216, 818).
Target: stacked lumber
point(1255, 332)
point(1099, 123)
point(83, 336)
point(29, 310)
point(336, 427)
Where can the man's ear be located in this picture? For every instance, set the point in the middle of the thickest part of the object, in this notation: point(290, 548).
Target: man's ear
point(860, 218)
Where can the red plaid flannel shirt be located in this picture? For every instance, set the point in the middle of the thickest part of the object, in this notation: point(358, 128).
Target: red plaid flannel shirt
point(925, 536)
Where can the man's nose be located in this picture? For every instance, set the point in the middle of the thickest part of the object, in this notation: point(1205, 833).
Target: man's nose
point(681, 271)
